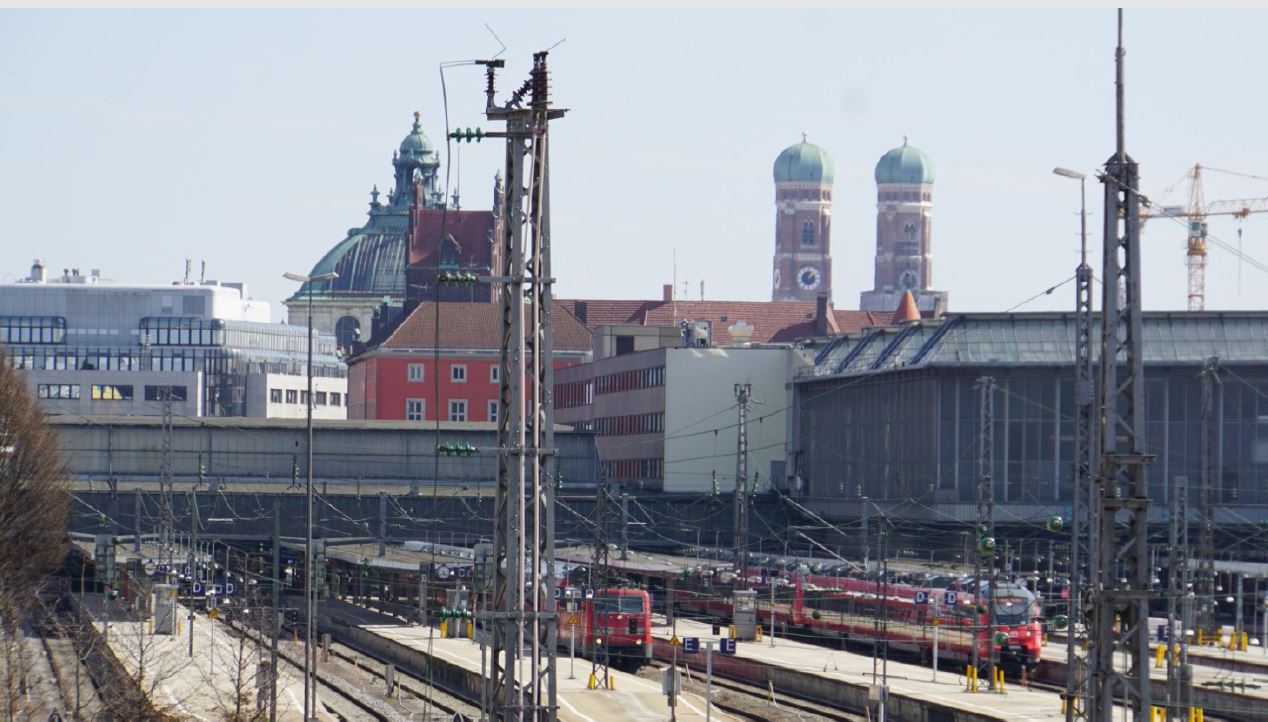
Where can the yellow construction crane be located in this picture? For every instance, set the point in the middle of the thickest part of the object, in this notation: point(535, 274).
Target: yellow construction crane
point(1196, 214)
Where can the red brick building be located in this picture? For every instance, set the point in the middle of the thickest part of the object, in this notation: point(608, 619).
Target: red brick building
point(398, 378)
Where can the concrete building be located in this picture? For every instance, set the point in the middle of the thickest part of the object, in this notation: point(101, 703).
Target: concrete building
point(95, 348)
point(904, 233)
point(661, 402)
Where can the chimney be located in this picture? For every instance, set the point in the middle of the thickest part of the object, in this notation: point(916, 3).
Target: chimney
point(821, 316)
point(667, 292)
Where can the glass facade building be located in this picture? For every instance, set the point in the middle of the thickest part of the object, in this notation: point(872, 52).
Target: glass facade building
point(893, 413)
point(90, 347)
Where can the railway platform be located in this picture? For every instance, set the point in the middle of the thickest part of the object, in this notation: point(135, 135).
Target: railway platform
point(844, 680)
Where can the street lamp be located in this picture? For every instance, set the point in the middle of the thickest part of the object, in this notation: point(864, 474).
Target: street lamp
point(310, 597)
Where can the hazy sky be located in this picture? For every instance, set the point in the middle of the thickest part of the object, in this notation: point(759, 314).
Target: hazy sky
point(130, 140)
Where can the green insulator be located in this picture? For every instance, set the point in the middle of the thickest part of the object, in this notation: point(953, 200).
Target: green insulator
point(1055, 523)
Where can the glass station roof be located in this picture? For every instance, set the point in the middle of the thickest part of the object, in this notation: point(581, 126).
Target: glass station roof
point(1047, 339)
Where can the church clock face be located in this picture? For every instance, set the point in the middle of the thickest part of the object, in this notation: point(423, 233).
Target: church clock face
point(808, 277)
point(907, 281)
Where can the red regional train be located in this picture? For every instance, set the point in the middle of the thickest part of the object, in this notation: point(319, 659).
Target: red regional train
point(863, 611)
point(619, 618)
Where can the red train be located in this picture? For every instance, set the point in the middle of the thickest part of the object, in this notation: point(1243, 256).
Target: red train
point(618, 618)
point(866, 610)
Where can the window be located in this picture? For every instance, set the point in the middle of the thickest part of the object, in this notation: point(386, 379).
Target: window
point(336, 398)
point(275, 395)
point(156, 393)
point(58, 391)
point(111, 392)
point(292, 396)
point(32, 329)
point(415, 409)
point(495, 373)
point(321, 398)
point(458, 373)
point(415, 372)
point(624, 345)
point(347, 330)
point(808, 233)
point(458, 410)
point(493, 411)
point(303, 398)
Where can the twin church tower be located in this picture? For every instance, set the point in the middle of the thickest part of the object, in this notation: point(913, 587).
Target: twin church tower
point(904, 224)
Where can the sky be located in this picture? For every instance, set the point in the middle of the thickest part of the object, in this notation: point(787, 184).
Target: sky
point(132, 140)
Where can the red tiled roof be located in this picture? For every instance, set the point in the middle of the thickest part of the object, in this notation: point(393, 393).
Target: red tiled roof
point(476, 326)
point(772, 321)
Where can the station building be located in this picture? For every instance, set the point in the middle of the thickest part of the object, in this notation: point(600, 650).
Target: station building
point(91, 347)
point(889, 416)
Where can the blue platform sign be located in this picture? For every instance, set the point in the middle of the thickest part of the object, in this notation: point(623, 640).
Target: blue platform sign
point(690, 645)
point(198, 588)
point(948, 598)
point(727, 645)
point(922, 597)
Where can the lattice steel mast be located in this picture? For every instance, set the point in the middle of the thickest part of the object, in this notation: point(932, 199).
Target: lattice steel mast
point(1083, 527)
point(1208, 451)
point(984, 564)
point(1123, 490)
point(742, 392)
point(524, 537)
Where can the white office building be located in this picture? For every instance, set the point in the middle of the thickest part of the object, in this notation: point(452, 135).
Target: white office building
point(91, 347)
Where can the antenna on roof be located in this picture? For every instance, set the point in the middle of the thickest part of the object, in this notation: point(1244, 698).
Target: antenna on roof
point(202, 275)
point(673, 297)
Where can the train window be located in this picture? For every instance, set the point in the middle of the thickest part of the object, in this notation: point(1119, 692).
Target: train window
point(620, 604)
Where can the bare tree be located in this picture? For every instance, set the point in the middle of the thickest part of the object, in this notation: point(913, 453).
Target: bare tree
point(34, 504)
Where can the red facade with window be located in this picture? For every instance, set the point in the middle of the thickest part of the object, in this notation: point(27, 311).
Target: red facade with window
point(381, 384)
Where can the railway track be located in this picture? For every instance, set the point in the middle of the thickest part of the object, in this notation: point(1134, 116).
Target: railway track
point(759, 701)
point(438, 700)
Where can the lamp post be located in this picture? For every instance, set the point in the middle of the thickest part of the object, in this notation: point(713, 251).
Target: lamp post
point(1082, 497)
point(310, 597)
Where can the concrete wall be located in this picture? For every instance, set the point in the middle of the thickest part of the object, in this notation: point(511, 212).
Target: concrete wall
point(700, 397)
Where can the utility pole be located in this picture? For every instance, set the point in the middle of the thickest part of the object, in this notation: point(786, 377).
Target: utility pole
point(625, 526)
point(1121, 610)
point(167, 524)
point(1208, 455)
point(599, 666)
point(277, 608)
point(193, 561)
point(984, 564)
point(1179, 676)
point(524, 531)
point(742, 392)
point(1083, 527)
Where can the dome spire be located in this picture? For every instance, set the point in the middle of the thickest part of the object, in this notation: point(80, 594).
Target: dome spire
point(418, 123)
point(805, 137)
point(904, 139)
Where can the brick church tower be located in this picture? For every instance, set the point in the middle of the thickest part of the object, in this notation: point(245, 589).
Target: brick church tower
point(904, 228)
point(803, 224)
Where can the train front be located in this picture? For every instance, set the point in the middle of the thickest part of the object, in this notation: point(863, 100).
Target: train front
point(1019, 633)
point(624, 617)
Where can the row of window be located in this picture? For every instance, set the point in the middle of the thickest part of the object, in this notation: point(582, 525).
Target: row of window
point(574, 394)
point(110, 392)
point(293, 396)
point(32, 329)
point(630, 380)
point(182, 331)
point(457, 373)
point(633, 469)
point(416, 410)
point(632, 424)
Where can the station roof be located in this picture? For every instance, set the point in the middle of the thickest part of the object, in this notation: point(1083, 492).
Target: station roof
point(1040, 339)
